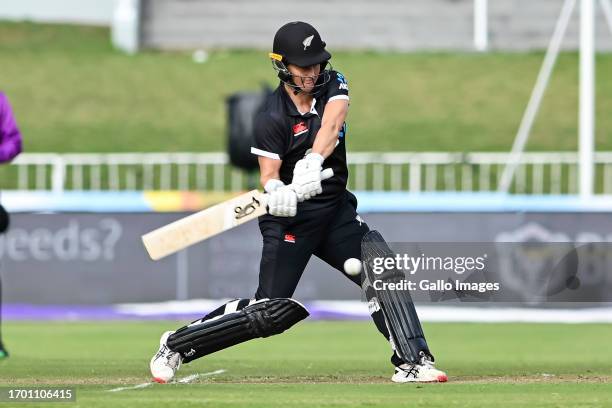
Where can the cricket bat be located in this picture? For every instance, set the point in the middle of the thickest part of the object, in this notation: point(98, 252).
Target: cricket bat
point(204, 224)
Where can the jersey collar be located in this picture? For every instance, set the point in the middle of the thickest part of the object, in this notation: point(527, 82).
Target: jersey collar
point(292, 109)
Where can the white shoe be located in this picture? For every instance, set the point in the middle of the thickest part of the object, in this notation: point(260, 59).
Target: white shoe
point(165, 362)
point(424, 372)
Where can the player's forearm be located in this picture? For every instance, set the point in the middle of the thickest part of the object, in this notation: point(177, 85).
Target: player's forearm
point(331, 124)
point(268, 169)
point(326, 138)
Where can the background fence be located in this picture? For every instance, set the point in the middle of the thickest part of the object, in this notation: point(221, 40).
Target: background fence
point(537, 173)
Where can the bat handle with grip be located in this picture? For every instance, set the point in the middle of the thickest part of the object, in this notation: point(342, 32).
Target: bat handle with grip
point(327, 174)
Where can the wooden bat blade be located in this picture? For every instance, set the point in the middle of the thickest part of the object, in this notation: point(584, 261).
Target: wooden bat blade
point(204, 224)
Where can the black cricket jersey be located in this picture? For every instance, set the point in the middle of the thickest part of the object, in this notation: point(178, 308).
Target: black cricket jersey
point(283, 133)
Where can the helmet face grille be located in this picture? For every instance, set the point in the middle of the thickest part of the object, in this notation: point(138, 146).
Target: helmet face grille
point(286, 77)
point(281, 69)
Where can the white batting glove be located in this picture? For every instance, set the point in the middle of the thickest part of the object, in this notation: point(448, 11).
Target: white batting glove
point(282, 200)
point(307, 177)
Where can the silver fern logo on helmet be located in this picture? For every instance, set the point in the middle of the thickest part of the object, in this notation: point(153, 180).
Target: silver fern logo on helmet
point(307, 41)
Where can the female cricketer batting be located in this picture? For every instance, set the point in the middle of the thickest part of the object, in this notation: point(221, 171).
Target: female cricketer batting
point(300, 133)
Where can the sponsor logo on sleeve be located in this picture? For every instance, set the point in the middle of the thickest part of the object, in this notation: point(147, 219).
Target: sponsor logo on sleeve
point(343, 83)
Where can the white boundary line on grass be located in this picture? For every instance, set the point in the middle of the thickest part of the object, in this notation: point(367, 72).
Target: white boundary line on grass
point(184, 380)
point(193, 377)
point(135, 387)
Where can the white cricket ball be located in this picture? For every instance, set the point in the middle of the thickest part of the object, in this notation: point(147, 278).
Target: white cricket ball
point(352, 266)
point(163, 376)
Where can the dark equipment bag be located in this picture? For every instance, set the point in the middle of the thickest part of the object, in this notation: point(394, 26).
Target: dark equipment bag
point(4, 219)
point(242, 108)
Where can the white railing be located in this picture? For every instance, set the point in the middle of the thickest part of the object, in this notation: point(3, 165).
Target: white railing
point(537, 173)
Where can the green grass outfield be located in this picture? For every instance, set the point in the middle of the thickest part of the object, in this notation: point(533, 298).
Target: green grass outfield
point(327, 364)
point(73, 93)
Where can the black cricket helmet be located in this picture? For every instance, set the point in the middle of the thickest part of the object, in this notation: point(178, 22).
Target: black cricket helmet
point(300, 44)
